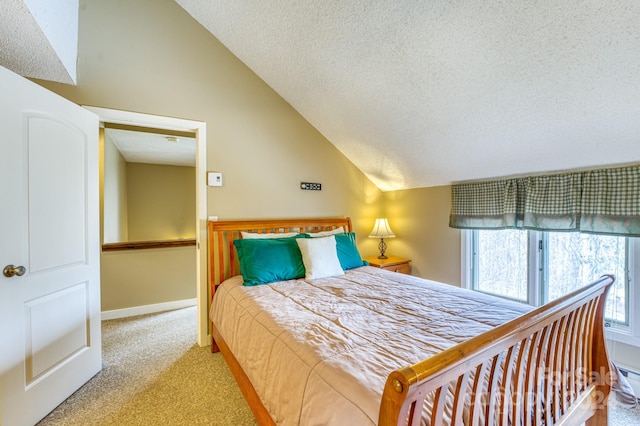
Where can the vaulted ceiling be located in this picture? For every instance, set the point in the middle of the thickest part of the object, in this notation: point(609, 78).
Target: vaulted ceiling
point(423, 93)
point(39, 39)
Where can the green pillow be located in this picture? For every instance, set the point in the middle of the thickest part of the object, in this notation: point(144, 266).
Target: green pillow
point(348, 253)
point(268, 260)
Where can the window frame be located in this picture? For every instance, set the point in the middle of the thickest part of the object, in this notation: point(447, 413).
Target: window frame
point(629, 334)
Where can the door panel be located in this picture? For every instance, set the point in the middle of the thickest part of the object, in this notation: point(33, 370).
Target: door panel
point(55, 330)
point(49, 223)
point(57, 194)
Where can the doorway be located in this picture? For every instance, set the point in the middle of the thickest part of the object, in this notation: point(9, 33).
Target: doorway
point(111, 117)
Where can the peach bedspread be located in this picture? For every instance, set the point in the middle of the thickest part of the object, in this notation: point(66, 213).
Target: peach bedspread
point(319, 351)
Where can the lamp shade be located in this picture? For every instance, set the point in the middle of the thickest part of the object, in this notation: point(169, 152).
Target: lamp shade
point(381, 229)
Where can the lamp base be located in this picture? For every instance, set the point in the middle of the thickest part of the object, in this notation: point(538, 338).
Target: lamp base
point(382, 247)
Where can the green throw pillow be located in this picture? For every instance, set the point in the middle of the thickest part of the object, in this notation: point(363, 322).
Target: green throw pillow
point(348, 253)
point(268, 260)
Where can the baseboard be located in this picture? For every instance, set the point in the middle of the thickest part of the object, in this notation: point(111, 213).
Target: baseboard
point(148, 309)
point(634, 381)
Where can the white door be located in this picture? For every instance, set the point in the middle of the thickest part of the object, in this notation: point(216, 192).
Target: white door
point(49, 241)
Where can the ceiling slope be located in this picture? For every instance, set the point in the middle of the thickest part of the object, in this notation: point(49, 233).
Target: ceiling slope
point(424, 93)
point(39, 38)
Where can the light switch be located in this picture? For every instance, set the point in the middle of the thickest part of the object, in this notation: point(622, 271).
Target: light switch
point(214, 179)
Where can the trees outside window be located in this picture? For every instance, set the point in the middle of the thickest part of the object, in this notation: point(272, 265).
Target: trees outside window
point(536, 267)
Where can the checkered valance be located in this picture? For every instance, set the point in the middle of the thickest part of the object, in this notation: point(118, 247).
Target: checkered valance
point(603, 201)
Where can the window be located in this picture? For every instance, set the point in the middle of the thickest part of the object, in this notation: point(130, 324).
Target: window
point(536, 267)
point(500, 263)
point(573, 259)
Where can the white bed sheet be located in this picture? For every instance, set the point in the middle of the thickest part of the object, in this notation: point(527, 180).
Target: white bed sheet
point(319, 351)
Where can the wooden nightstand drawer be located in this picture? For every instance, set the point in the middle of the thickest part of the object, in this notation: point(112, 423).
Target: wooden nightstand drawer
point(395, 264)
point(402, 268)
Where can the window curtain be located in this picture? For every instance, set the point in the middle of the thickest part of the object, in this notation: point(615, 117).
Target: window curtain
point(603, 201)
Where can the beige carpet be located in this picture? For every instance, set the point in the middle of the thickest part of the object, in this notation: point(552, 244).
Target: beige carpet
point(154, 374)
point(622, 416)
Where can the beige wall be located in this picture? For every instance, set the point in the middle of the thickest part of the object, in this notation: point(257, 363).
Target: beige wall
point(114, 197)
point(145, 277)
point(420, 220)
point(161, 202)
point(150, 56)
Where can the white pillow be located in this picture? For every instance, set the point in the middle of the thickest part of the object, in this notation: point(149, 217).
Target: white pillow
point(267, 235)
point(320, 257)
point(338, 230)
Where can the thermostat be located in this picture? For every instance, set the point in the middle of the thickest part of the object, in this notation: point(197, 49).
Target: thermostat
point(214, 179)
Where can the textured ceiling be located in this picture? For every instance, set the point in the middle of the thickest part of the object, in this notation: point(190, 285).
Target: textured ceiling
point(415, 93)
point(423, 93)
point(154, 148)
point(39, 38)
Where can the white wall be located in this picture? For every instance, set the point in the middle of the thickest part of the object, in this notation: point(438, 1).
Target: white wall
point(59, 23)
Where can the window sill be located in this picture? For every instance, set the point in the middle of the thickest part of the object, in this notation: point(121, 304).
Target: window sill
point(141, 245)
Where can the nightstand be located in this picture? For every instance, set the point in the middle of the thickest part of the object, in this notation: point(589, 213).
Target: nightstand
point(394, 264)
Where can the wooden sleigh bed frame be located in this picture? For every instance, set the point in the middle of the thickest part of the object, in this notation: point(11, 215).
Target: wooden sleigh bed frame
point(549, 366)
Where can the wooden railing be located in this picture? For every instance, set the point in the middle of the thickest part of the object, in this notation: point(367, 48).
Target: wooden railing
point(141, 245)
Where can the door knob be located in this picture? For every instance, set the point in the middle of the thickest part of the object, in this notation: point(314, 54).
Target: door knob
point(10, 270)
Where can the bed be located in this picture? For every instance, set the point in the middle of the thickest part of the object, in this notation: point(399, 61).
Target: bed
point(377, 347)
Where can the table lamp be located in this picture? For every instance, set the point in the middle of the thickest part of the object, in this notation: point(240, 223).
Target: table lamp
point(382, 230)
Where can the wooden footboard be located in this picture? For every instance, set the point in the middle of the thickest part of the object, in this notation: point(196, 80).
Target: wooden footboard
point(548, 367)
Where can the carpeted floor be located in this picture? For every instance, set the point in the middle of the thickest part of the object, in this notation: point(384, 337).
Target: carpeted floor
point(154, 374)
point(621, 416)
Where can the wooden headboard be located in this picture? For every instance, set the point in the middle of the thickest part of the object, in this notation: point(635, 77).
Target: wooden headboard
point(222, 262)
